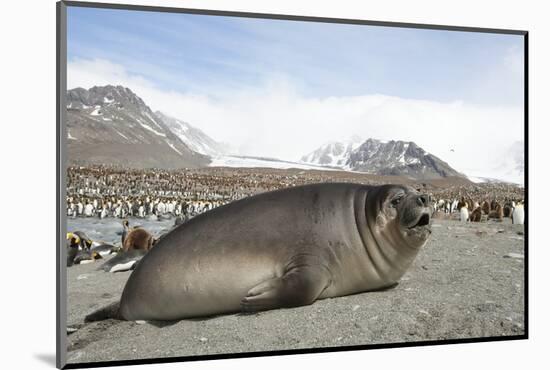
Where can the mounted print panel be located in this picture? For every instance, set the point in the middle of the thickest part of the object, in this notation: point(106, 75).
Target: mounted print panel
point(237, 184)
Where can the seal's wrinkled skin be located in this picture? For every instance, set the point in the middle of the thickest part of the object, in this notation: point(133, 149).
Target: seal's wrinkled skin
point(280, 249)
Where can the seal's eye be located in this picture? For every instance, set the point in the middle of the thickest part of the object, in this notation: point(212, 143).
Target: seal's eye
point(395, 201)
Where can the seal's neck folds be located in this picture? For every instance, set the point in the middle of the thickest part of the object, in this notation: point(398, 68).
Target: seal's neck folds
point(387, 249)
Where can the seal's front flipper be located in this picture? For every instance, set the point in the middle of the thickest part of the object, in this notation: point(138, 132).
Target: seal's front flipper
point(298, 287)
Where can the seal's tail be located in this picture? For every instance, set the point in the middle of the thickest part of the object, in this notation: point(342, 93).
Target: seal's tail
point(111, 311)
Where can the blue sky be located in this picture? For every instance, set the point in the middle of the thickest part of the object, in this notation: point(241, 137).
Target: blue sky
point(201, 54)
point(283, 88)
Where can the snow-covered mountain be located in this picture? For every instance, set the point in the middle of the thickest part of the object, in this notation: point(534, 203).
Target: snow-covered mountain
point(112, 125)
point(506, 166)
point(332, 154)
point(511, 165)
point(383, 158)
point(195, 139)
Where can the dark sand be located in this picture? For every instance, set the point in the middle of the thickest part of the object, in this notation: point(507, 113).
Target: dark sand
point(462, 285)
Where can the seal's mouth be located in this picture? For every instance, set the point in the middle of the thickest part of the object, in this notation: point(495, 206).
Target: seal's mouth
point(422, 221)
point(421, 230)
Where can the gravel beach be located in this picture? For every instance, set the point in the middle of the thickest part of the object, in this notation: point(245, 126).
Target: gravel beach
point(467, 282)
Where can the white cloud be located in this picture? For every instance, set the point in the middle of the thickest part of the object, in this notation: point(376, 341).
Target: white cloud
point(99, 72)
point(514, 61)
point(275, 120)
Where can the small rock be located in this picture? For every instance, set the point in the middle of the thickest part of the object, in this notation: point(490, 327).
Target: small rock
point(424, 312)
point(514, 255)
point(339, 339)
point(81, 277)
point(424, 267)
point(71, 330)
point(520, 233)
point(203, 339)
point(500, 231)
point(355, 308)
point(140, 322)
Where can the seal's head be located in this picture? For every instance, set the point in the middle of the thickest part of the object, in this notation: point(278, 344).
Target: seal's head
point(408, 211)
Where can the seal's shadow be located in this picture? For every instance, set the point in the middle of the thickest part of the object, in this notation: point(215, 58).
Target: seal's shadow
point(251, 313)
point(389, 287)
point(164, 324)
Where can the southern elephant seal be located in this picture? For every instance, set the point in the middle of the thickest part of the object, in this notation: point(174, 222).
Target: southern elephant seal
point(278, 249)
